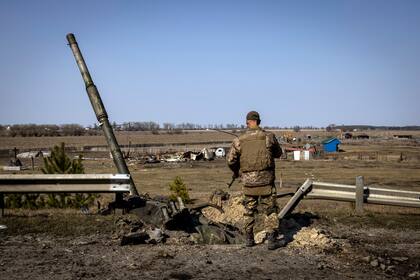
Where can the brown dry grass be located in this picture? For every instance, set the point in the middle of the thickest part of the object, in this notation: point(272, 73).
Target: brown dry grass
point(123, 139)
point(146, 138)
point(58, 222)
point(204, 177)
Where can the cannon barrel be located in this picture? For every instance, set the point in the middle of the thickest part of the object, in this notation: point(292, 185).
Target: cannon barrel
point(101, 114)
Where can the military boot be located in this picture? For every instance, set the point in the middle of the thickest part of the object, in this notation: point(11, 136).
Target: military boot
point(249, 239)
point(274, 243)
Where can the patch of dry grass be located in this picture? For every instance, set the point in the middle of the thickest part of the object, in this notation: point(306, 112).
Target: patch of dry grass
point(57, 222)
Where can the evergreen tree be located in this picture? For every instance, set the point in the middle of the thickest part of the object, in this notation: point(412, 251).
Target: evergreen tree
point(178, 188)
point(60, 163)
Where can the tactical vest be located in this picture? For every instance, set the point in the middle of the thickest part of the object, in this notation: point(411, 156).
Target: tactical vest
point(255, 155)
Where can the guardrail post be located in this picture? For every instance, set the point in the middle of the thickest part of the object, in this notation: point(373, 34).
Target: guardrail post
point(1, 205)
point(296, 198)
point(359, 194)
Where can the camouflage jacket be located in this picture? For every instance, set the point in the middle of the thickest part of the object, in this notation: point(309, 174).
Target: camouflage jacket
point(258, 177)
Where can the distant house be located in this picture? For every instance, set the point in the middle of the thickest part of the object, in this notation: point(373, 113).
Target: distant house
point(331, 145)
point(220, 152)
point(403, 136)
point(348, 135)
point(362, 136)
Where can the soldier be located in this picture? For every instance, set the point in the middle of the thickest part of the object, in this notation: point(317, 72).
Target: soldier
point(252, 158)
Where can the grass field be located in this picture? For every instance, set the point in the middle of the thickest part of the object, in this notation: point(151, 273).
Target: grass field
point(147, 137)
point(204, 177)
point(65, 244)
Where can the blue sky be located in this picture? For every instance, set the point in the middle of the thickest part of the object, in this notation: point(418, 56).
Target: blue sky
point(207, 62)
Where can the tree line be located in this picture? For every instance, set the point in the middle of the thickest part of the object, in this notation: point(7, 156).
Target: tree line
point(39, 130)
point(150, 126)
point(343, 127)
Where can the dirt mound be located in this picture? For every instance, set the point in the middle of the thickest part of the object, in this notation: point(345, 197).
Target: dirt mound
point(312, 238)
point(232, 215)
point(295, 229)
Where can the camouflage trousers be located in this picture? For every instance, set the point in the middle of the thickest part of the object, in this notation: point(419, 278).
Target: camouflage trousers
point(266, 206)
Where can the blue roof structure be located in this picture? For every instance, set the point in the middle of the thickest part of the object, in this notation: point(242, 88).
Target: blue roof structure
point(331, 145)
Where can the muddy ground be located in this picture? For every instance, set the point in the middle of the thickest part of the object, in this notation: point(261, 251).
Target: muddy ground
point(68, 245)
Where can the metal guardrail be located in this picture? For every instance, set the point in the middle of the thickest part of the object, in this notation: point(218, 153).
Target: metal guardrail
point(64, 183)
point(393, 197)
point(372, 195)
point(359, 194)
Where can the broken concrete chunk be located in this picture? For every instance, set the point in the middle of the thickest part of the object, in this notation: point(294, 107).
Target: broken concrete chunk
point(415, 274)
point(400, 259)
point(374, 263)
point(367, 259)
point(390, 269)
point(156, 235)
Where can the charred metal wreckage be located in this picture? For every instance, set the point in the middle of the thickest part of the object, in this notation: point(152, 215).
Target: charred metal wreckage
point(157, 213)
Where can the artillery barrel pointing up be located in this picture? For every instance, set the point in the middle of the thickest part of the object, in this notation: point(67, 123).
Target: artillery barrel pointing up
point(101, 115)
